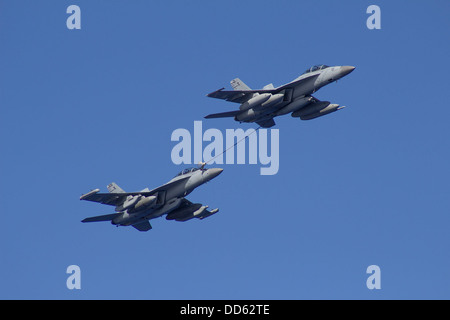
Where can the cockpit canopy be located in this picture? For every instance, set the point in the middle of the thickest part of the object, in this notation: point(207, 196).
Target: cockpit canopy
point(315, 68)
point(187, 171)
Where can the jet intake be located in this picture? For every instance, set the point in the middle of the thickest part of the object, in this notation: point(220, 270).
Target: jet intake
point(121, 218)
point(247, 115)
point(295, 105)
point(256, 100)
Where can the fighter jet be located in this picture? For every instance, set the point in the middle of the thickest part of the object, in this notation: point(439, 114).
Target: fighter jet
point(295, 97)
point(137, 208)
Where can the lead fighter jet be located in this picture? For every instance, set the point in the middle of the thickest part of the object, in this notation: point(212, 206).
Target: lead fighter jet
point(261, 106)
point(137, 208)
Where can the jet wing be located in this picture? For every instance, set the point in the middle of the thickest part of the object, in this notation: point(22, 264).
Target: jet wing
point(112, 199)
point(241, 96)
point(168, 185)
point(238, 96)
point(116, 199)
point(297, 82)
point(223, 114)
point(106, 217)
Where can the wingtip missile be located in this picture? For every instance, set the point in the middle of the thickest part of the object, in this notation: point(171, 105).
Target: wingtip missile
point(209, 213)
point(199, 211)
point(84, 196)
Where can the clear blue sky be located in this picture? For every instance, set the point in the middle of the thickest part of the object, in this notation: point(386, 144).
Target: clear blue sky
point(366, 185)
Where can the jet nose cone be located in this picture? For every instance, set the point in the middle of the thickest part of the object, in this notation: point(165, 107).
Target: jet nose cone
point(345, 70)
point(214, 172)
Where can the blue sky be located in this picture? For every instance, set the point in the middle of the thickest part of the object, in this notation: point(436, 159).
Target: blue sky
point(368, 185)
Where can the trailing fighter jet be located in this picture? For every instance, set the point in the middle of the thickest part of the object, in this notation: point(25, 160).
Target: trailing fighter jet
point(261, 106)
point(137, 208)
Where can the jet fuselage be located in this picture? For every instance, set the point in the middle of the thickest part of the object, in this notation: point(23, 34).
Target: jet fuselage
point(295, 97)
point(298, 98)
point(170, 199)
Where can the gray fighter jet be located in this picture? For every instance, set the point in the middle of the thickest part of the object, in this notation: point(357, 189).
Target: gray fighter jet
point(261, 106)
point(137, 208)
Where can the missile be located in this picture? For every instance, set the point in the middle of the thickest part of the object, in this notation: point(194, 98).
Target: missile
point(90, 193)
point(252, 113)
point(274, 99)
point(209, 213)
point(200, 211)
point(313, 108)
point(257, 100)
point(129, 202)
point(331, 108)
point(144, 202)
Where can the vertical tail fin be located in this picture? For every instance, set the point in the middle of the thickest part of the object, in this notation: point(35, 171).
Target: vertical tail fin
point(237, 84)
point(114, 188)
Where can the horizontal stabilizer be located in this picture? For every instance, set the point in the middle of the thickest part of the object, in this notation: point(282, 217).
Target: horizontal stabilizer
point(223, 114)
point(266, 123)
point(106, 217)
point(142, 226)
